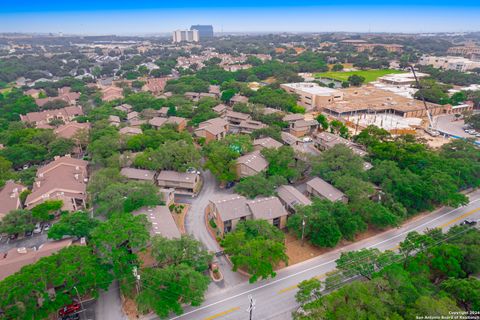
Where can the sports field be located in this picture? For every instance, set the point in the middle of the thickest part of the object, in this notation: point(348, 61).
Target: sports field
point(369, 75)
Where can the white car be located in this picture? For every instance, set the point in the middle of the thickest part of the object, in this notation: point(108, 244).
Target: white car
point(38, 228)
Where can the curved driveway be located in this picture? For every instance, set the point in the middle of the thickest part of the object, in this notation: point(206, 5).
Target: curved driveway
point(195, 225)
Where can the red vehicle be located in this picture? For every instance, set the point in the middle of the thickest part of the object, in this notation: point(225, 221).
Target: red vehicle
point(69, 309)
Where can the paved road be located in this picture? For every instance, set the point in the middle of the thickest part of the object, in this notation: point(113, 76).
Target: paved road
point(28, 242)
point(109, 305)
point(275, 297)
point(195, 225)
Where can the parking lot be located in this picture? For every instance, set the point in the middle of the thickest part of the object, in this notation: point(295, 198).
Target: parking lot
point(448, 124)
point(35, 240)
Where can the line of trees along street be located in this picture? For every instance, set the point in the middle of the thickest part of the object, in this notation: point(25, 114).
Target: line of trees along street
point(432, 274)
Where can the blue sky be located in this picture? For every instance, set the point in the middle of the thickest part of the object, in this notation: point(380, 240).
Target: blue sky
point(141, 16)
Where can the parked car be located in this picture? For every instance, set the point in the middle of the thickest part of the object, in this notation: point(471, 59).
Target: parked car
point(230, 185)
point(38, 228)
point(468, 223)
point(46, 226)
point(69, 309)
point(13, 236)
point(28, 233)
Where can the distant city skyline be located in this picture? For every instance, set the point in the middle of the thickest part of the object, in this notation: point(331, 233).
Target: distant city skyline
point(149, 17)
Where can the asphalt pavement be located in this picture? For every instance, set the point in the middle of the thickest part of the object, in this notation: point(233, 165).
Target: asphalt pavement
point(275, 298)
point(195, 225)
point(35, 240)
point(109, 304)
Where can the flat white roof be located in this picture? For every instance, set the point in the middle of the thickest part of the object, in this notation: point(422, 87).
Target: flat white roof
point(403, 76)
point(312, 88)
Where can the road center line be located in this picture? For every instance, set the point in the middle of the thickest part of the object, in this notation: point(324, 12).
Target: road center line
point(221, 314)
point(316, 266)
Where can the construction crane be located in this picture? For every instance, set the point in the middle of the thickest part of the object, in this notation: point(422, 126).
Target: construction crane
point(431, 129)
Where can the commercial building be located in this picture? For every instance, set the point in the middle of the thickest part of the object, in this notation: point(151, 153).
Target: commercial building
point(369, 99)
point(205, 32)
point(401, 79)
point(468, 50)
point(311, 96)
point(185, 36)
point(449, 63)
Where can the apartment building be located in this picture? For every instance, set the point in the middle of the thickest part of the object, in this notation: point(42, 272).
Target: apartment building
point(64, 179)
point(228, 211)
point(262, 143)
point(317, 187)
point(213, 129)
point(291, 198)
point(10, 197)
point(182, 182)
point(251, 164)
point(301, 128)
point(138, 174)
point(161, 221)
point(42, 119)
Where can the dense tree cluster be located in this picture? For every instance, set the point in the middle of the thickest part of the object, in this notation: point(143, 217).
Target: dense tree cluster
point(259, 185)
point(451, 76)
point(221, 156)
point(407, 177)
point(431, 275)
point(24, 294)
point(257, 247)
point(177, 278)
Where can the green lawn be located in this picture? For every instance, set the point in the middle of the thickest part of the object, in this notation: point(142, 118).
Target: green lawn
point(369, 75)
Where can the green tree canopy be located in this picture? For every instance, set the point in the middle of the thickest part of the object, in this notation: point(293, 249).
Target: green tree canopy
point(254, 249)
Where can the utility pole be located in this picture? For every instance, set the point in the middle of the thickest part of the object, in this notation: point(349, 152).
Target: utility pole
point(79, 299)
point(137, 279)
point(303, 230)
point(78, 296)
point(251, 306)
